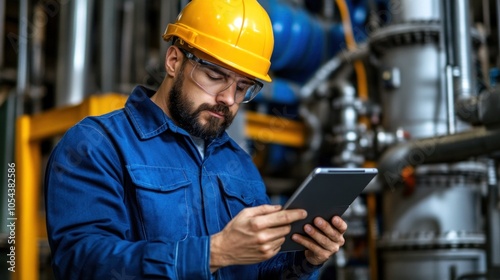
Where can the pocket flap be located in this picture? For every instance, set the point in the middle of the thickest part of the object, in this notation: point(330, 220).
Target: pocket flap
point(244, 190)
point(158, 178)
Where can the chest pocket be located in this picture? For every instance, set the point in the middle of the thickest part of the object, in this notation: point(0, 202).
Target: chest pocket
point(239, 193)
point(162, 201)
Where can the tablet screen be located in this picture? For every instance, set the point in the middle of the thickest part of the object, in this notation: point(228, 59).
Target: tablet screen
point(326, 192)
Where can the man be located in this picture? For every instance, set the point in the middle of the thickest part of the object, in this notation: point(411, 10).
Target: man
point(158, 190)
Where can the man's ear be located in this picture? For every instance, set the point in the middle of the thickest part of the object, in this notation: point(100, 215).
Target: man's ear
point(173, 60)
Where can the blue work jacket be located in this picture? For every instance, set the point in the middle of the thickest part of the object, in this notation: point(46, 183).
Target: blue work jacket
point(128, 196)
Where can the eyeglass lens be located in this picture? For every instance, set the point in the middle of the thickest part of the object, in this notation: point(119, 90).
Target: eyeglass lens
point(215, 81)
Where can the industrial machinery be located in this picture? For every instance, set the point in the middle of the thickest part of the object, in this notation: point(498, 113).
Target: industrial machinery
point(436, 142)
point(409, 87)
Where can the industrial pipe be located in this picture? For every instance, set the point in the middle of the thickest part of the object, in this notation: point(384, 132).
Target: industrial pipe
point(461, 24)
point(331, 66)
point(498, 21)
point(446, 63)
point(23, 62)
point(449, 148)
point(493, 216)
point(2, 30)
point(482, 109)
point(74, 52)
point(37, 60)
point(109, 45)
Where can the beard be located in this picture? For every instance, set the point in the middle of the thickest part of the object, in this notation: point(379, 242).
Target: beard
point(188, 118)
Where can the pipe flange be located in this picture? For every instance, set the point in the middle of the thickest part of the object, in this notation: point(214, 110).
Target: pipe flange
point(458, 174)
point(410, 33)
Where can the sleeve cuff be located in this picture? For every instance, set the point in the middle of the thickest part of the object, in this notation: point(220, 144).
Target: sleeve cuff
point(187, 259)
point(193, 258)
point(302, 267)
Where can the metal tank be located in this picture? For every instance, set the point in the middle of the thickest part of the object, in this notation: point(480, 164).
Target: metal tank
point(411, 95)
point(404, 11)
point(435, 231)
point(433, 228)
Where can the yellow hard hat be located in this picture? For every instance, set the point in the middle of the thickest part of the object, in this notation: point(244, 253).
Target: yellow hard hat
point(238, 33)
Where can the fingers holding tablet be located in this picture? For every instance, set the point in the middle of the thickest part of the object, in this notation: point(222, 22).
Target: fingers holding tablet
point(323, 239)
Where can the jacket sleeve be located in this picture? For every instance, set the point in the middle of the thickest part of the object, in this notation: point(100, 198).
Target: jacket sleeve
point(290, 265)
point(88, 220)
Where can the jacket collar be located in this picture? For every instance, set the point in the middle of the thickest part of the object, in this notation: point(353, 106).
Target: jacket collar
point(149, 120)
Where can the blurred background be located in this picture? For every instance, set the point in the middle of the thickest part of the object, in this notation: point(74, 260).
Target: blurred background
point(408, 87)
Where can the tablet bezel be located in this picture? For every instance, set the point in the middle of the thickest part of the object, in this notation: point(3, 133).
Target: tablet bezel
point(349, 182)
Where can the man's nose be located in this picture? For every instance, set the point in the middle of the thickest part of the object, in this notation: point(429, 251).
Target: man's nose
point(227, 96)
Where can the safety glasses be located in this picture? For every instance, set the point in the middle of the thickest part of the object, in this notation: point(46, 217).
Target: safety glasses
point(214, 79)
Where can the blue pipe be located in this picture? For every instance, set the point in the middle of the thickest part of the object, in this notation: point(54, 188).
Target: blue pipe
point(279, 91)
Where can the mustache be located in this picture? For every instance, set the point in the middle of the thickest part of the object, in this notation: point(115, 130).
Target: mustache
point(221, 109)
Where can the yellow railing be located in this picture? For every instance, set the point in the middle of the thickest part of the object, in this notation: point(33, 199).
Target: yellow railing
point(30, 132)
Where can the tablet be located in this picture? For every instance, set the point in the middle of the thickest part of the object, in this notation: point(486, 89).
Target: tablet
point(326, 192)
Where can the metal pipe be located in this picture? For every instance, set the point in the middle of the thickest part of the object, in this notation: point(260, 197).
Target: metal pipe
point(493, 219)
point(345, 104)
point(446, 62)
point(37, 88)
point(331, 66)
point(109, 45)
point(498, 29)
point(488, 106)
point(140, 40)
point(448, 32)
point(461, 23)
point(312, 120)
point(315, 136)
point(2, 30)
point(37, 45)
point(73, 59)
point(449, 148)
point(450, 100)
point(329, 9)
point(411, 10)
point(348, 153)
point(480, 110)
point(486, 16)
point(23, 62)
point(126, 44)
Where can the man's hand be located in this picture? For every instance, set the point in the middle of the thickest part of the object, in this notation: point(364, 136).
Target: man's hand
point(324, 239)
point(254, 235)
